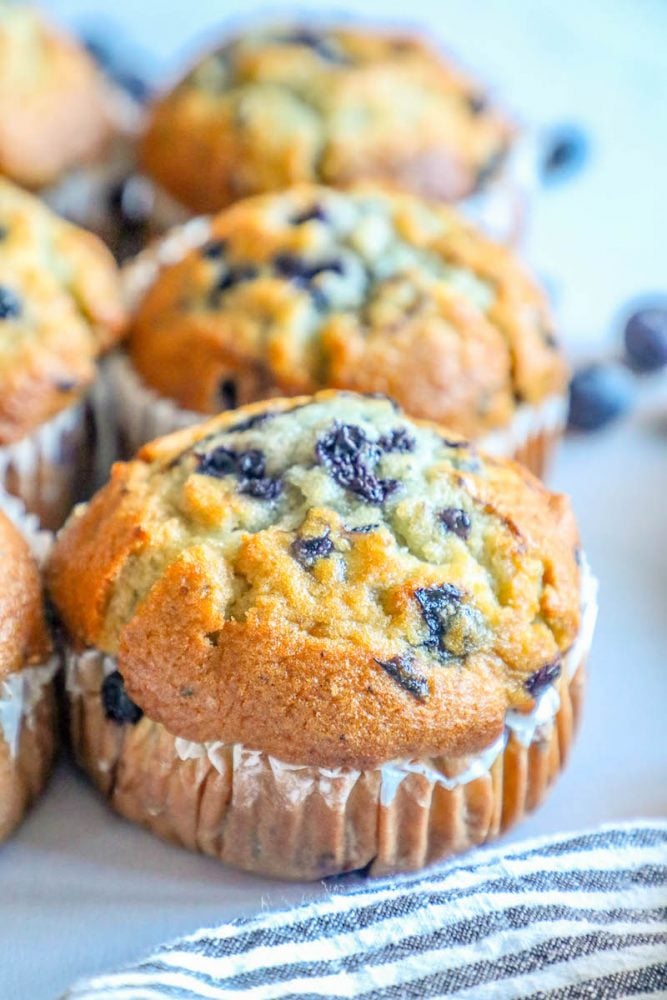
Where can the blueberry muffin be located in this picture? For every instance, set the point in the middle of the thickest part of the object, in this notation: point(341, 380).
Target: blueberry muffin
point(312, 635)
point(53, 105)
point(60, 308)
point(286, 105)
point(366, 290)
point(27, 733)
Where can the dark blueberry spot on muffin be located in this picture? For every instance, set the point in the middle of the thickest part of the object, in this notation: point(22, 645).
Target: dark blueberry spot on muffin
point(319, 44)
point(455, 520)
point(397, 440)
point(294, 268)
point(455, 629)
point(542, 678)
point(449, 443)
point(247, 425)
point(219, 462)
point(118, 706)
point(349, 456)
point(66, 385)
point(439, 605)
point(213, 249)
point(249, 467)
point(403, 670)
point(489, 169)
point(228, 393)
point(314, 213)
point(308, 550)
point(10, 304)
point(477, 103)
point(550, 338)
point(578, 557)
point(363, 529)
point(233, 277)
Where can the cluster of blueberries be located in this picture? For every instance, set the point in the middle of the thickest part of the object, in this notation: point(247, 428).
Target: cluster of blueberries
point(604, 391)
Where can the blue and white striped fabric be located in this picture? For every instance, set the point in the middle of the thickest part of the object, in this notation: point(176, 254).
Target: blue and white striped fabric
point(575, 916)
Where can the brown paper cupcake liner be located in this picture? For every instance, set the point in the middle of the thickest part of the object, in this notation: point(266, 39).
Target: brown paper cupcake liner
point(297, 822)
point(45, 469)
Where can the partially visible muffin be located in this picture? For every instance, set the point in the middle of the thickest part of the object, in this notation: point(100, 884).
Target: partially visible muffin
point(307, 601)
point(53, 105)
point(60, 308)
point(331, 105)
point(365, 290)
point(27, 734)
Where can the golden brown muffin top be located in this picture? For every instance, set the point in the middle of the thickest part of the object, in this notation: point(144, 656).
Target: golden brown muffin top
point(23, 636)
point(325, 580)
point(365, 290)
point(53, 105)
point(60, 307)
point(285, 105)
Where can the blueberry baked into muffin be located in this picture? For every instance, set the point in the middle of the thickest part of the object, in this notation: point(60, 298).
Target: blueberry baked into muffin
point(27, 667)
point(53, 105)
point(285, 105)
point(366, 290)
point(312, 635)
point(60, 308)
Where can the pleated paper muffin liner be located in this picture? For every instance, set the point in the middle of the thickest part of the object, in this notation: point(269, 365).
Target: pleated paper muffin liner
point(46, 468)
point(254, 812)
point(27, 706)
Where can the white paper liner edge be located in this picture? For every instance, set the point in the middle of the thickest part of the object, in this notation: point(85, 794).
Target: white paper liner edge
point(296, 781)
point(20, 693)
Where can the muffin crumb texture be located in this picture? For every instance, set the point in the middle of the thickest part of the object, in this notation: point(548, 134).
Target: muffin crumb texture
point(292, 577)
point(60, 307)
point(53, 104)
point(362, 290)
point(282, 106)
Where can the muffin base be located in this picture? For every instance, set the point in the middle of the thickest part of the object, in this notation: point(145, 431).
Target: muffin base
point(45, 468)
point(298, 822)
point(27, 749)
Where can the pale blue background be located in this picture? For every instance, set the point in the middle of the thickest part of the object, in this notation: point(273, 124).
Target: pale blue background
point(81, 890)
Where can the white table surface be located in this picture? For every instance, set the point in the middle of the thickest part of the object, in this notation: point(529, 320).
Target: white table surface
point(81, 890)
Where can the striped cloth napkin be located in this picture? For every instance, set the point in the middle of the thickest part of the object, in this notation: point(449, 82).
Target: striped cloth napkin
point(578, 915)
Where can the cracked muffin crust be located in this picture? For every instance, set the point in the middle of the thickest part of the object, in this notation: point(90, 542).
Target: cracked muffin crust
point(285, 105)
point(53, 106)
point(60, 307)
point(324, 580)
point(365, 290)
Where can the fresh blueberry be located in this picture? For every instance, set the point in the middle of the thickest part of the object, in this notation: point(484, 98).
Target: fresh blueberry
point(10, 304)
point(402, 669)
point(599, 394)
point(118, 706)
point(308, 550)
point(645, 338)
point(566, 151)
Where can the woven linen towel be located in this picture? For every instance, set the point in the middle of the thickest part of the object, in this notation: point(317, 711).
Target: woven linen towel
point(577, 915)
